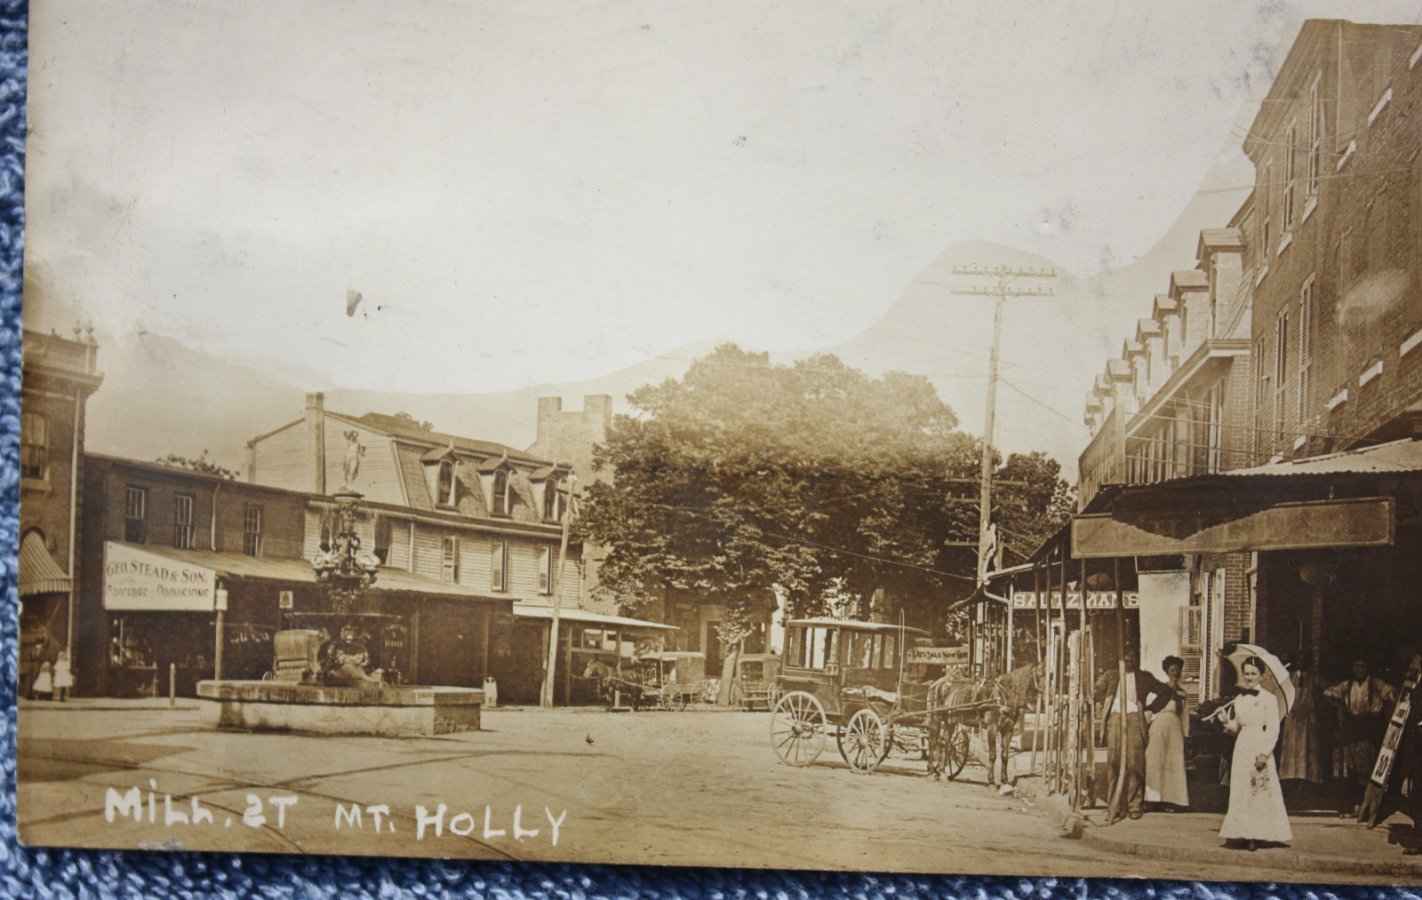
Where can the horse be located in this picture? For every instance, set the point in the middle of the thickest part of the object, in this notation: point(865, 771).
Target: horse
point(997, 704)
point(609, 683)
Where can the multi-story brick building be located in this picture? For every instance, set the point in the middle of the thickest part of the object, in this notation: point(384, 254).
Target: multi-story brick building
point(58, 375)
point(1299, 526)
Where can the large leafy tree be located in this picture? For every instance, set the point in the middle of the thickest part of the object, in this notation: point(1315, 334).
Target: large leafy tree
point(812, 480)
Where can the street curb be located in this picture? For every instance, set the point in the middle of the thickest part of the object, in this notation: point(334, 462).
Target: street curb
point(1077, 826)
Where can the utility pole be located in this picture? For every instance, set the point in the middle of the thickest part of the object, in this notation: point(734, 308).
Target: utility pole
point(1002, 288)
point(555, 584)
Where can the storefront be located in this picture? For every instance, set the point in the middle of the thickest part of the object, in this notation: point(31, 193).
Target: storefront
point(176, 617)
point(44, 603)
point(584, 638)
point(1330, 547)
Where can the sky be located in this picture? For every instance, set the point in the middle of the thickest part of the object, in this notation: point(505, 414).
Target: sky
point(539, 192)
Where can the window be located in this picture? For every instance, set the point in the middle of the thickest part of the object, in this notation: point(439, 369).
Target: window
point(447, 484)
point(498, 565)
point(1266, 196)
point(1261, 394)
point(1315, 136)
point(183, 521)
point(1281, 367)
point(1305, 374)
point(252, 529)
point(382, 540)
point(135, 514)
point(545, 571)
point(552, 502)
point(34, 446)
point(449, 559)
point(501, 493)
point(1286, 215)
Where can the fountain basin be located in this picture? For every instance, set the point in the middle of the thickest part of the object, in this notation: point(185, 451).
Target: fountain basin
point(385, 710)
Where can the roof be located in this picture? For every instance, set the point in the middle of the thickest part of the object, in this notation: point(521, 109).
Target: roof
point(39, 573)
point(527, 611)
point(1118, 368)
point(1188, 280)
point(1216, 239)
point(674, 654)
point(1396, 456)
point(299, 571)
point(856, 625)
point(401, 429)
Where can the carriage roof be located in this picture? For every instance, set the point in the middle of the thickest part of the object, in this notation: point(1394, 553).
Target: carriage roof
point(855, 625)
point(672, 655)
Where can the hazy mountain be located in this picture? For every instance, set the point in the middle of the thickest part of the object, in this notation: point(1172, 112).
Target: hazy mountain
point(160, 396)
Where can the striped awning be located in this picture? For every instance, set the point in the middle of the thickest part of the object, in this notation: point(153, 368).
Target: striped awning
point(39, 573)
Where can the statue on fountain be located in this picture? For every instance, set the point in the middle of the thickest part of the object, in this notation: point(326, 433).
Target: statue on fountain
point(346, 661)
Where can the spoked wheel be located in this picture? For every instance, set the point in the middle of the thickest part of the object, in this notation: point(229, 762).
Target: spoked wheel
point(865, 741)
point(797, 728)
point(674, 700)
point(956, 750)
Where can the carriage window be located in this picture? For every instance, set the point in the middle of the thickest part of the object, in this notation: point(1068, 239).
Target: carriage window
point(889, 660)
point(864, 650)
point(818, 648)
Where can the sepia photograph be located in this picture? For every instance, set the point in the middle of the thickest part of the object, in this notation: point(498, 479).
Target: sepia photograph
point(907, 437)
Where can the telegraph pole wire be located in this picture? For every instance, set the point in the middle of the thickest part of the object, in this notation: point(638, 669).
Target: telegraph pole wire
point(1002, 288)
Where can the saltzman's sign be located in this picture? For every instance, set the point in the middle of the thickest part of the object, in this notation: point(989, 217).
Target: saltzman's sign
point(1094, 600)
point(137, 580)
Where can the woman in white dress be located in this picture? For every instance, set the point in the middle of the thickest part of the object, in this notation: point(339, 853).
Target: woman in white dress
point(1165, 748)
point(1256, 802)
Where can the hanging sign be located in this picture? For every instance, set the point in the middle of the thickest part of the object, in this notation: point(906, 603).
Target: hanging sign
point(937, 656)
point(1094, 600)
point(137, 580)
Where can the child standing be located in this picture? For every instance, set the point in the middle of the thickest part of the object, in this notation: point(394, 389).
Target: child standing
point(63, 677)
point(44, 682)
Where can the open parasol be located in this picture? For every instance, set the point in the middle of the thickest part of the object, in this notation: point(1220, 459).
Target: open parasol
point(1274, 678)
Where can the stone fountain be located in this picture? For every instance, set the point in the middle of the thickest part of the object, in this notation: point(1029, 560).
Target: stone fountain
point(326, 685)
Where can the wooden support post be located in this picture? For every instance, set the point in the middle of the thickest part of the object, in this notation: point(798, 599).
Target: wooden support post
point(1037, 633)
point(1115, 802)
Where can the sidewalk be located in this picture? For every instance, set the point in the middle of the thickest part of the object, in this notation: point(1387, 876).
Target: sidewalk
point(1322, 844)
point(108, 703)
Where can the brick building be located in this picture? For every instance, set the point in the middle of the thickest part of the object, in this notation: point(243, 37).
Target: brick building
point(58, 375)
point(1299, 527)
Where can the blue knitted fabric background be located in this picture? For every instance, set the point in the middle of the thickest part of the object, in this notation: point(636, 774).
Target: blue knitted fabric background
point(26, 872)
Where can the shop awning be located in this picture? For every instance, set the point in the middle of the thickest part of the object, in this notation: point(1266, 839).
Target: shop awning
point(39, 573)
point(298, 571)
point(1353, 522)
point(584, 617)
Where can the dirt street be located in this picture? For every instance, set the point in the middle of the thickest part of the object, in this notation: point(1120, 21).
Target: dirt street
point(689, 788)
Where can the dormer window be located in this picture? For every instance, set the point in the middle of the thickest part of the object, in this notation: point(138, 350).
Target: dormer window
point(500, 504)
point(551, 511)
point(446, 484)
point(440, 476)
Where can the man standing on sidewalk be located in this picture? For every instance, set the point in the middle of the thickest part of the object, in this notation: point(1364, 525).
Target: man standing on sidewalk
point(1129, 798)
point(1365, 699)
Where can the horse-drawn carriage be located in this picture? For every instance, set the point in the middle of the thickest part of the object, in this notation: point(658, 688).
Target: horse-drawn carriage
point(667, 680)
point(864, 683)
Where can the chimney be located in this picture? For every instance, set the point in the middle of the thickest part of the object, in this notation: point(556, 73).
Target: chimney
point(549, 409)
point(316, 440)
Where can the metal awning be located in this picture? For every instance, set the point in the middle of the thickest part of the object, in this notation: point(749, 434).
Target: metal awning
point(39, 573)
point(584, 617)
point(1352, 522)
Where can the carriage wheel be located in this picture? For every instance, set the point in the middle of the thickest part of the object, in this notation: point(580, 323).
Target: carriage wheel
point(680, 700)
point(797, 728)
point(956, 751)
point(865, 741)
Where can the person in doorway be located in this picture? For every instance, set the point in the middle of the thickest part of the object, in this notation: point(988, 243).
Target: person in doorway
point(44, 682)
point(1165, 744)
point(1143, 693)
point(1301, 757)
point(63, 677)
point(1363, 701)
point(1256, 801)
